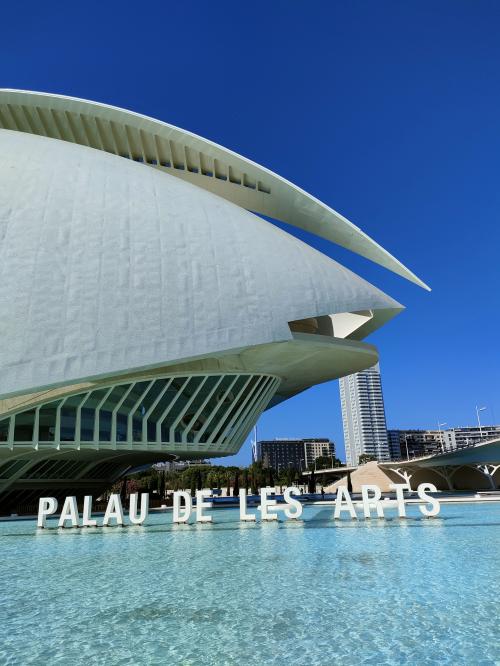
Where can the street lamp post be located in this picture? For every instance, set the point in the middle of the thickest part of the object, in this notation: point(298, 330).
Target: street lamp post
point(441, 443)
point(406, 444)
point(480, 409)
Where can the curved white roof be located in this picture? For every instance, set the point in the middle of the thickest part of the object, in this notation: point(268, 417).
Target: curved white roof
point(189, 157)
point(108, 266)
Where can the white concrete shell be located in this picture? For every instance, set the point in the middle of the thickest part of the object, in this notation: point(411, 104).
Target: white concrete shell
point(190, 157)
point(145, 311)
point(107, 266)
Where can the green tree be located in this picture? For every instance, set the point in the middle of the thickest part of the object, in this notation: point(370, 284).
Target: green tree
point(325, 462)
point(364, 458)
point(257, 475)
point(123, 491)
point(291, 474)
point(271, 477)
point(236, 487)
point(212, 479)
point(161, 485)
point(312, 483)
point(254, 484)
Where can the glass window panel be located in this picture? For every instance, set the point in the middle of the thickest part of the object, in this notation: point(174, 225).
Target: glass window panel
point(136, 429)
point(172, 397)
point(121, 427)
point(133, 397)
point(68, 421)
point(166, 399)
point(192, 419)
point(224, 403)
point(146, 402)
point(87, 424)
point(95, 398)
point(104, 426)
point(47, 422)
point(153, 393)
point(23, 428)
point(74, 400)
point(114, 397)
point(4, 430)
point(151, 431)
point(180, 405)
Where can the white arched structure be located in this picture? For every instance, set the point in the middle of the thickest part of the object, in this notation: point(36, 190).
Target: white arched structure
point(154, 275)
point(189, 157)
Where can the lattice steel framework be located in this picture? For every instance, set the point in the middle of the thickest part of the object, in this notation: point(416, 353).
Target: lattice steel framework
point(176, 413)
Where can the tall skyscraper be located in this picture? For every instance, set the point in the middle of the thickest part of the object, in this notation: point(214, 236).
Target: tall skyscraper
point(363, 415)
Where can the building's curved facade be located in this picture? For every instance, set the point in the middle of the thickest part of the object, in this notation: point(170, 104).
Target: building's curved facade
point(145, 311)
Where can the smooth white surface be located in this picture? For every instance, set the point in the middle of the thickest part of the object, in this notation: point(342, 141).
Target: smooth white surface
point(107, 265)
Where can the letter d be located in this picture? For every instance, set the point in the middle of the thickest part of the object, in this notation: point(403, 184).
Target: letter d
point(186, 509)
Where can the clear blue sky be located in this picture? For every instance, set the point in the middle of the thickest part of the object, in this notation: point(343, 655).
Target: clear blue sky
point(387, 111)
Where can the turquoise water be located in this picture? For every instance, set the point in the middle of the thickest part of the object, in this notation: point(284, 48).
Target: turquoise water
point(417, 591)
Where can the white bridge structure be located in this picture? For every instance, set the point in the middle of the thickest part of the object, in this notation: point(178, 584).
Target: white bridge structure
point(473, 468)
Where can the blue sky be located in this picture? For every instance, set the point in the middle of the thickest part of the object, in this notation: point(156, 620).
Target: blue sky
point(387, 111)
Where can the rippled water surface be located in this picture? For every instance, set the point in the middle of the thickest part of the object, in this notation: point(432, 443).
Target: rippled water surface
point(416, 591)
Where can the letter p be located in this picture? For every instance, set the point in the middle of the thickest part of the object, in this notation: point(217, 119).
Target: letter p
point(46, 507)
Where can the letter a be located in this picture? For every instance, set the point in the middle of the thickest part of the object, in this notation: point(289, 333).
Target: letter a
point(69, 512)
point(343, 494)
point(113, 510)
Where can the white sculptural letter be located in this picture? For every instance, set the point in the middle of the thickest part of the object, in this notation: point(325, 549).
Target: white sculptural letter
point(293, 508)
point(400, 498)
point(69, 512)
point(243, 506)
point(181, 514)
point(435, 506)
point(87, 521)
point(373, 500)
point(342, 498)
point(113, 510)
point(46, 507)
point(201, 504)
point(265, 503)
point(132, 514)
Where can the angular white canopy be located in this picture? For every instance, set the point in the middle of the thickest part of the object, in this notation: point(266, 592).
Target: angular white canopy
point(190, 157)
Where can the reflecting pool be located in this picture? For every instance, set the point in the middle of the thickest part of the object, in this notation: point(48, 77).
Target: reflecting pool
point(416, 591)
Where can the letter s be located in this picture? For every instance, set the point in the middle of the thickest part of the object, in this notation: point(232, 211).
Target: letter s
point(435, 506)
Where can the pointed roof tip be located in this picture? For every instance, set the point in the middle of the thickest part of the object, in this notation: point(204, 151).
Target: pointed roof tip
point(411, 277)
point(424, 286)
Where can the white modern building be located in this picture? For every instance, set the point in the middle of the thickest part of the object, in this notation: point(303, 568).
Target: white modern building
point(147, 310)
point(318, 448)
point(180, 465)
point(458, 438)
point(363, 415)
